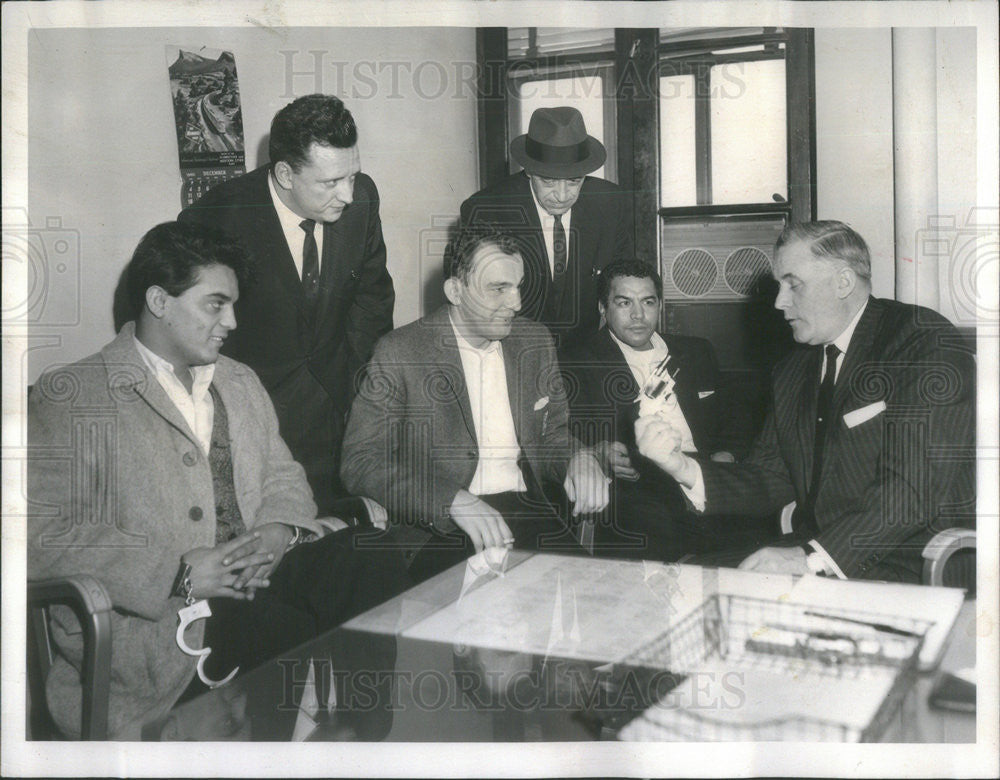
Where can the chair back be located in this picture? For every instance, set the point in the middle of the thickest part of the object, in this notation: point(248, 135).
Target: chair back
point(90, 601)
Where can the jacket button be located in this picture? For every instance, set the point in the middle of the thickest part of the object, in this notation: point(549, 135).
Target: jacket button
point(189, 458)
point(195, 513)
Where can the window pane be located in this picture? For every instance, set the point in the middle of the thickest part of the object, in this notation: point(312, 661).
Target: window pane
point(585, 93)
point(749, 159)
point(678, 177)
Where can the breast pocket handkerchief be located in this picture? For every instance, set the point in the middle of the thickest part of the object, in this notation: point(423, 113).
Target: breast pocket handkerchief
point(864, 414)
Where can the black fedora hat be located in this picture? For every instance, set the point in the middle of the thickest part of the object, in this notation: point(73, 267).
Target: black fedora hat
point(557, 145)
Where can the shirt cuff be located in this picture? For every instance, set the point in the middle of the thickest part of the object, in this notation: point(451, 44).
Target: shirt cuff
point(820, 561)
point(696, 493)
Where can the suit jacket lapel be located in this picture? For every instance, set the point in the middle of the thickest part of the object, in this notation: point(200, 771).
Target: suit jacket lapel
point(608, 353)
point(684, 390)
point(586, 218)
point(271, 239)
point(858, 352)
point(448, 360)
point(808, 397)
point(334, 237)
point(533, 234)
point(129, 372)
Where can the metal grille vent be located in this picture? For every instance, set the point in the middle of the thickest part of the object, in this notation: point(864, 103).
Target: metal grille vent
point(744, 268)
point(694, 272)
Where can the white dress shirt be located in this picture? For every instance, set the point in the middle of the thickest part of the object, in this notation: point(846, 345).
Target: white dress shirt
point(548, 224)
point(294, 234)
point(195, 407)
point(486, 382)
point(641, 363)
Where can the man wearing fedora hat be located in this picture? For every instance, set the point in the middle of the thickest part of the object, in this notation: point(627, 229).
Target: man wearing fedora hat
point(568, 225)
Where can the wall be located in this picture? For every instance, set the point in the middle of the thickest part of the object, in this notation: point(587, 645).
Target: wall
point(854, 140)
point(103, 164)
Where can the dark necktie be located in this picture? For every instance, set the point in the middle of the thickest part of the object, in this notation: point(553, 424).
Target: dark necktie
point(552, 312)
point(558, 250)
point(805, 516)
point(310, 261)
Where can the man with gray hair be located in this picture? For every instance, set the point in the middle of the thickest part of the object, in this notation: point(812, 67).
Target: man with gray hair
point(871, 431)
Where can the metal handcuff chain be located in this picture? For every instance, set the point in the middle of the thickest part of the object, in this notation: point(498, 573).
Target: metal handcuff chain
point(192, 611)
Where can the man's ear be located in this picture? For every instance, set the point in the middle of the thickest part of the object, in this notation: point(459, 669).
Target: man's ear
point(601, 308)
point(156, 300)
point(847, 280)
point(453, 291)
point(283, 174)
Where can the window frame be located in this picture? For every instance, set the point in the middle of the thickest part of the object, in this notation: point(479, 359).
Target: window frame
point(524, 71)
point(799, 117)
point(637, 53)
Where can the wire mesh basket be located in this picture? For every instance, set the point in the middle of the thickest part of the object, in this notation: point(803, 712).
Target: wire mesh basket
point(794, 673)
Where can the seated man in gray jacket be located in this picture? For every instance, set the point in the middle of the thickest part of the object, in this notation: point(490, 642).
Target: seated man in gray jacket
point(156, 466)
point(460, 428)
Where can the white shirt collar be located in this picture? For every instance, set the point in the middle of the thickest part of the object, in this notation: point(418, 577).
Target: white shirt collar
point(843, 341)
point(291, 227)
point(202, 375)
point(289, 220)
point(464, 343)
point(659, 347)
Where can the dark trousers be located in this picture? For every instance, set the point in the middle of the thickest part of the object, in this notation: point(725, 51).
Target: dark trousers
point(535, 524)
point(316, 587)
point(649, 519)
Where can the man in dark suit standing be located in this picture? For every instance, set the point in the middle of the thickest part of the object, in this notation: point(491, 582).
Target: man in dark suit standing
point(568, 225)
point(323, 296)
point(606, 375)
point(460, 428)
point(871, 431)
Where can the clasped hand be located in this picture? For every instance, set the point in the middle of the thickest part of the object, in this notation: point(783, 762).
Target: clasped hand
point(238, 567)
point(661, 443)
point(614, 455)
point(585, 484)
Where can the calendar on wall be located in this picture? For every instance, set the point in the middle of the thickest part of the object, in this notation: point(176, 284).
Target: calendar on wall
point(207, 116)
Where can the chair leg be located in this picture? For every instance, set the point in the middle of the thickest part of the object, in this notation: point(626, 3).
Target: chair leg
point(96, 677)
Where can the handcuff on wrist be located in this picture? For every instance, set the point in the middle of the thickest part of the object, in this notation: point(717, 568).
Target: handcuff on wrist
point(194, 609)
point(299, 537)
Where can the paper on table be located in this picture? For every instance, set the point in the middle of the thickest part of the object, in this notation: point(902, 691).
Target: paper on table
point(918, 602)
point(571, 607)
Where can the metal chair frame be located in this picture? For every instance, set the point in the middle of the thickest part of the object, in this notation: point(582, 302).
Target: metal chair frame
point(90, 601)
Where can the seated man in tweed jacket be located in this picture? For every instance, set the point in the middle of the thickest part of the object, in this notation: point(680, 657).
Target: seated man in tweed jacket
point(156, 466)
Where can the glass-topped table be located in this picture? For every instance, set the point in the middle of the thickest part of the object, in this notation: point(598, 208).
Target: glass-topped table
point(538, 647)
